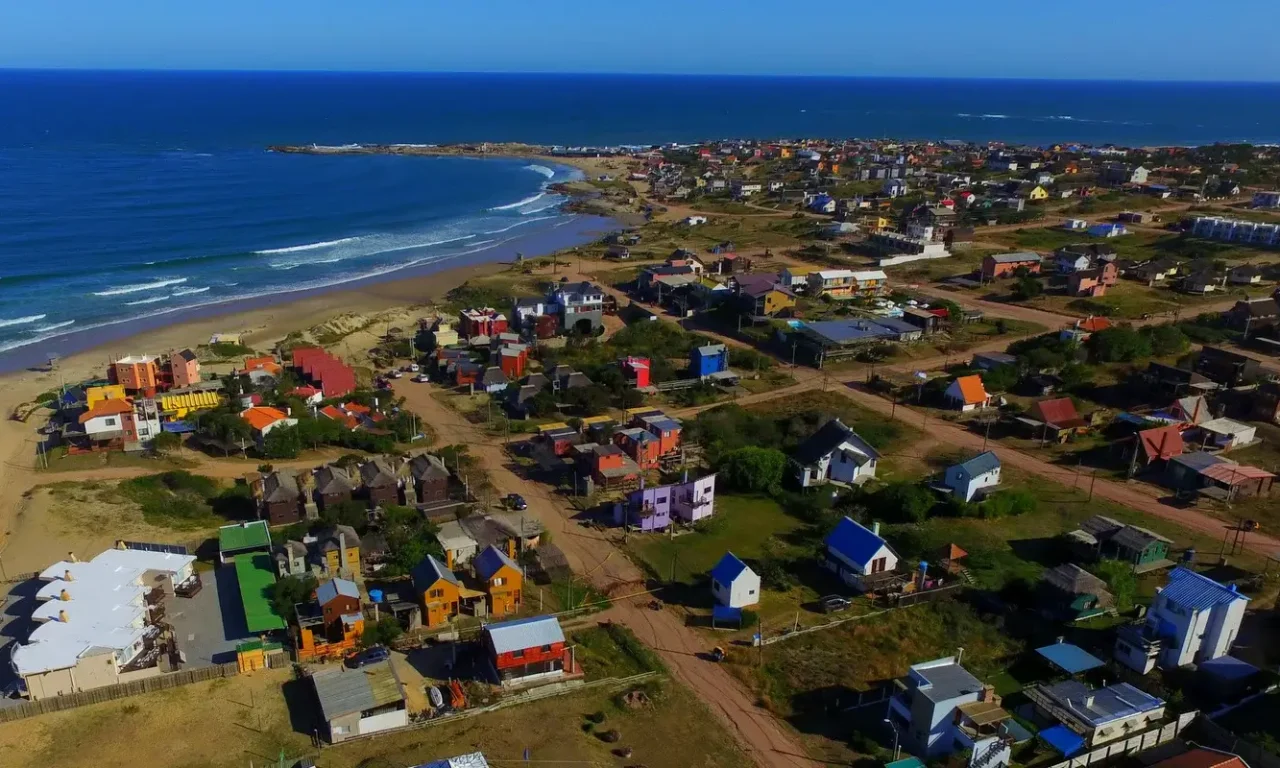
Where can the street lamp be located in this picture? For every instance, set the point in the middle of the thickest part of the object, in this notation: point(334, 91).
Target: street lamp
point(893, 728)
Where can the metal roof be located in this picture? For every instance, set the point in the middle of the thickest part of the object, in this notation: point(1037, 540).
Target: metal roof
point(431, 570)
point(332, 589)
point(491, 560)
point(1014, 258)
point(729, 569)
point(1102, 705)
point(981, 464)
point(854, 541)
point(1188, 589)
point(1071, 659)
point(520, 634)
point(344, 691)
point(944, 679)
point(1198, 461)
point(473, 760)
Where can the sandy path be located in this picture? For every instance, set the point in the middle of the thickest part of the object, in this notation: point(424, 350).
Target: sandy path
point(592, 555)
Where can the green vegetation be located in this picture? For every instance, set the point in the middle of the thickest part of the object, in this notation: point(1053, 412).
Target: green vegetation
point(752, 469)
point(289, 591)
point(611, 650)
point(181, 500)
point(382, 632)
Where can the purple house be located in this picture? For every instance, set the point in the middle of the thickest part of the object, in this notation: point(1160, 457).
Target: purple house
point(650, 509)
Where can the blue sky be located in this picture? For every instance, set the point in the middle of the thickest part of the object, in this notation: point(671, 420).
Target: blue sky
point(1104, 39)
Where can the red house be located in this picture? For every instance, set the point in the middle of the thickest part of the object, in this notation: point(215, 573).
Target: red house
point(332, 376)
point(512, 360)
point(528, 650)
point(661, 426)
point(642, 446)
point(486, 321)
point(636, 371)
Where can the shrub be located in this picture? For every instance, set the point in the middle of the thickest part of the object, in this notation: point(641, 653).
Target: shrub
point(752, 469)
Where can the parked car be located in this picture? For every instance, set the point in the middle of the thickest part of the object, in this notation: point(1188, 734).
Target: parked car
point(516, 501)
point(413, 367)
point(396, 375)
point(368, 656)
point(834, 604)
point(422, 378)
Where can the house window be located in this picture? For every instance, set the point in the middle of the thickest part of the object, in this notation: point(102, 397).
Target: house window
point(662, 500)
point(499, 581)
point(110, 422)
point(341, 730)
point(517, 654)
point(546, 649)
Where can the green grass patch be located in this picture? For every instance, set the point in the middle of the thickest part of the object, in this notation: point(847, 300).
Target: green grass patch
point(611, 650)
point(178, 499)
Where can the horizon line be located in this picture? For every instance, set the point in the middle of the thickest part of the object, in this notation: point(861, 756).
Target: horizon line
point(544, 73)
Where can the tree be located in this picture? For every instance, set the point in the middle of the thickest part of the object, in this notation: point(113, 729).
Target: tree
point(753, 469)
point(903, 502)
point(1121, 581)
point(1002, 378)
point(1166, 340)
point(541, 404)
point(289, 591)
point(1027, 287)
point(592, 400)
point(165, 442)
point(1119, 344)
point(282, 443)
point(352, 513)
point(384, 632)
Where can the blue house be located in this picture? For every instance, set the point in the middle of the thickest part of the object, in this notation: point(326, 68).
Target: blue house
point(708, 359)
point(858, 555)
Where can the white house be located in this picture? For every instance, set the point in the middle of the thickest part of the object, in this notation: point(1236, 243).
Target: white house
point(106, 420)
point(967, 393)
point(733, 584)
point(945, 709)
point(834, 452)
point(894, 188)
point(1192, 620)
point(694, 221)
point(1099, 715)
point(458, 545)
point(968, 478)
point(858, 555)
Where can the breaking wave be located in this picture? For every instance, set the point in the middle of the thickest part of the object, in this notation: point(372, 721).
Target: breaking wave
point(123, 289)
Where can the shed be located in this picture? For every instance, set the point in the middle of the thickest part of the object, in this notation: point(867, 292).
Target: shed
point(358, 702)
point(1225, 434)
point(1069, 658)
point(733, 584)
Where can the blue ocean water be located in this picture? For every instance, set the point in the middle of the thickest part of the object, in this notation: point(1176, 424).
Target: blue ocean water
point(126, 194)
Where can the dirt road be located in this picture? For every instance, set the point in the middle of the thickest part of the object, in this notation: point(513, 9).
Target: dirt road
point(593, 556)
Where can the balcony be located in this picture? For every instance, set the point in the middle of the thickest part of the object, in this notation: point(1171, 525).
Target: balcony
point(900, 705)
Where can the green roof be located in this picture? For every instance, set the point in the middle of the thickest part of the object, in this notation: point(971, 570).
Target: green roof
point(256, 577)
point(244, 536)
point(258, 645)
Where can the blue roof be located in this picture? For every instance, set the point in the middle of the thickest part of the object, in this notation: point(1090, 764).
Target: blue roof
point(331, 589)
point(491, 560)
point(906, 762)
point(429, 571)
point(981, 464)
point(850, 330)
point(896, 325)
point(1228, 668)
point(854, 541)
point(1063, 739)
point(1189, 589)
point(728, 569)
point(1072, 659)
point(519, 634)
point(726, 614)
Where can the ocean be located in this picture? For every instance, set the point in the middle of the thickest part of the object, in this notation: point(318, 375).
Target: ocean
point(128, 196)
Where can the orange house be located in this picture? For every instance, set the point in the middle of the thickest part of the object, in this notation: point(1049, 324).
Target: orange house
point(439, 591)
point(136, 373)
point(503, 580)
point(184, 369)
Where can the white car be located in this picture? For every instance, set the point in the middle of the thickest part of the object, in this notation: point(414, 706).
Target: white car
point(422, 378)
point(395, 375)
point(413, 367)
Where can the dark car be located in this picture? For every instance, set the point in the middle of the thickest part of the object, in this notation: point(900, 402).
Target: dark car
point(516, 501)
point(368, 656)
point(834, 603)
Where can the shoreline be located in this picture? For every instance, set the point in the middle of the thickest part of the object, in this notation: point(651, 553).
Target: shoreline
point(402, 285)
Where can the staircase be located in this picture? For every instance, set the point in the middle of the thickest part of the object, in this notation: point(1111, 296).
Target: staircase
point(981, 761)
point(965, 576)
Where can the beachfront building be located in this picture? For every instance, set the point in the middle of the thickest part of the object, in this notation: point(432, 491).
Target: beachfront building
point(834, 453)
point(942, 709)
point(98, 623)
point(137, 374)
point(846, 283)
point(262, 420)
point(1193, 619)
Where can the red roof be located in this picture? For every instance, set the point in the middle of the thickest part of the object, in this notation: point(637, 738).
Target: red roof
point(1162, 442)
point(260, 418)
point(305, 391)
point(1202, 758)
point(1058, 412)
point(107, 408)
point(1234, 473)
point(1093, 324)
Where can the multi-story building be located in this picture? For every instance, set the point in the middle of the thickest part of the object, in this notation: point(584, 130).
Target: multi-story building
point(1192, 620)
point(941, 708)
point(1236, 230)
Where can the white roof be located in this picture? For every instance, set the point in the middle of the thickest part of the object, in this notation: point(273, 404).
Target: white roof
point(452, 536)
point(832, 274)
point(136, 359)
point(874, 274)
point(517, 635)
point(1226, 427)
point(104, 607)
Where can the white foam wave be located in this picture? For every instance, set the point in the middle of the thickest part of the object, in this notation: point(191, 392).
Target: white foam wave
point(54, 326)
point(995, 117)
point(189, 291)
point(307, 247)
point(540, 210)
point(123, 289)
point(517, 224)
point(542, 169)
point(21, 320)
point(520, 203)
point(151, 300)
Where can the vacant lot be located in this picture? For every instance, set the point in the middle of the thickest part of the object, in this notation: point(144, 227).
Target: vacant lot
point(228, 723)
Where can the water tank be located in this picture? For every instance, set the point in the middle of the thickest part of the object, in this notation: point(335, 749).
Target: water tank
point(1189, 556)
point(375, 595)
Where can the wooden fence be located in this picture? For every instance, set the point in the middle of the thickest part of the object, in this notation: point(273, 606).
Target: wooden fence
point(112, 692)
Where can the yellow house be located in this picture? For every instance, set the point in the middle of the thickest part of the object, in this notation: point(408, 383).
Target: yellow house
point(339, 548)
point(96, 395)
point(699, 182)
point(503, 580)
point(784, 152)
point(875, 223)
point(438, 589)
point(1037, 194)
point(178, 406)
